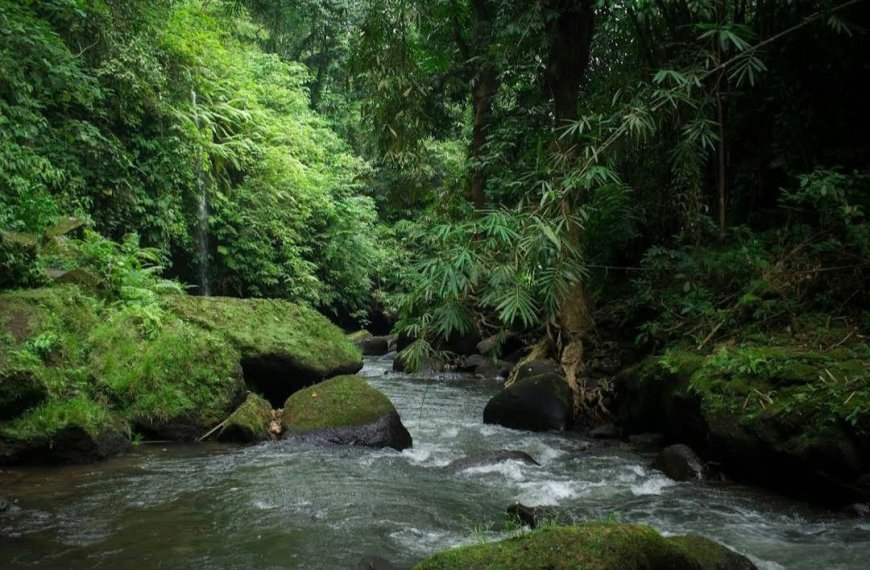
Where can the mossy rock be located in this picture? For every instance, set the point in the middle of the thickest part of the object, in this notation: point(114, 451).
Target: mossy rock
point(175, 383)
point(591, 546)
point(249, 423)
point(344, 410)
point(284, 347)
point(786, 416)
point(76, 431)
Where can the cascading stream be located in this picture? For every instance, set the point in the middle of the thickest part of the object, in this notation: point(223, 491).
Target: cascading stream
point(286, 505)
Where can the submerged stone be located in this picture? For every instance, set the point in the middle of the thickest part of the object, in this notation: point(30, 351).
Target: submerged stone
point(344, 410)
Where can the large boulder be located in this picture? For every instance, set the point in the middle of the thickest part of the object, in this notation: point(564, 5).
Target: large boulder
point(78, 376)
point(344, 410)
point(603, 546)
point(679, 463)
point(539, 399)
point(783, 416)
point(175, 384)
point(284, 347)
point(249, 423)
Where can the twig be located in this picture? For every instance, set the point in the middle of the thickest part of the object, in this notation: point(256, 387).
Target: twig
point(214, 429)
point(844, 340)
point(712, 332)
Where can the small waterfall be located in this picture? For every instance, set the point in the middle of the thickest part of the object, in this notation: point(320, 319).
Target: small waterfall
point(202, 210)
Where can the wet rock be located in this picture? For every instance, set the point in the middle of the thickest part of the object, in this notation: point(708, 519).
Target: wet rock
point(344, 410)
point(71, 444)
point(648, 440)
point(480, 365)
point(859, 510)
point(249, 423)
point(6, 506)
point(679, 463)
point(525, 515)
point(372, 562)
point(492, 458)
point(374, 346)
point(538, 400)
point(605, 431)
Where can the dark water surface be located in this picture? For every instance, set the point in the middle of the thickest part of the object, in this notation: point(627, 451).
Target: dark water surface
point(282, 505)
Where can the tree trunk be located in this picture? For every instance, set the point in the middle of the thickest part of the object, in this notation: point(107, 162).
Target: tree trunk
point(481, 105)
point(483, 89)
point(570, 35)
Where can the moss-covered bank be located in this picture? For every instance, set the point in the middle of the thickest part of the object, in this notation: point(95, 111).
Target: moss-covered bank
point(79, 376)
point(591, 546)
point(787, 415)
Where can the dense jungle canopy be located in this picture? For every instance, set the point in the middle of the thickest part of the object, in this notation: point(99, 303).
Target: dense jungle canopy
point(652, 173)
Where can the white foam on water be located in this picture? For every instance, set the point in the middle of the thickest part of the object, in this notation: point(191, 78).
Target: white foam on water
point(543, 453)
point(652, 486)
point(547, 493)
point(426, 541)
point(427, 454)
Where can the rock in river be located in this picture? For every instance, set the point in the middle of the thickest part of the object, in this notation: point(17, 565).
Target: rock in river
point(344, 410)
point(538, 400)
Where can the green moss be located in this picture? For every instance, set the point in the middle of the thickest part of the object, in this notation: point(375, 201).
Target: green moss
point(53, 416)
point(181, 370)
point(590, 546)
point(260, 326)
point(250, 421)
point(337, 402)
point(796, 389)
point(359, 335)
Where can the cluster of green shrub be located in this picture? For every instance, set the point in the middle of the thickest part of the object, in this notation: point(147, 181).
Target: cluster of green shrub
point(123, 114)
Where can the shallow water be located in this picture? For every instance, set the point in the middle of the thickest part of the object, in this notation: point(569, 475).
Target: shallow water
point(286, 505)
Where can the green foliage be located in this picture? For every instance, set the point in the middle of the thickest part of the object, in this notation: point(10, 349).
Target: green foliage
point(124, 114)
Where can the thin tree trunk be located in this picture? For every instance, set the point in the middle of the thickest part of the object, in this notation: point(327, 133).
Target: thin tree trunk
point(482, 93)
point(570, 34)
point(721, 152)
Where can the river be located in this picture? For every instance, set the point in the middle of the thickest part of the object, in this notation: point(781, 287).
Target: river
point(286, 505)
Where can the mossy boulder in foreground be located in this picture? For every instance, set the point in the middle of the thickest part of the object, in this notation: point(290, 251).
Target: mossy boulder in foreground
point(249, 423)
point(591, 546)
point(284, 347)
point(792, 418)
point(344, 410)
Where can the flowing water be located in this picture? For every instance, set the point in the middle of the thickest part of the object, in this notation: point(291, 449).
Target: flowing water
point(283, 505)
